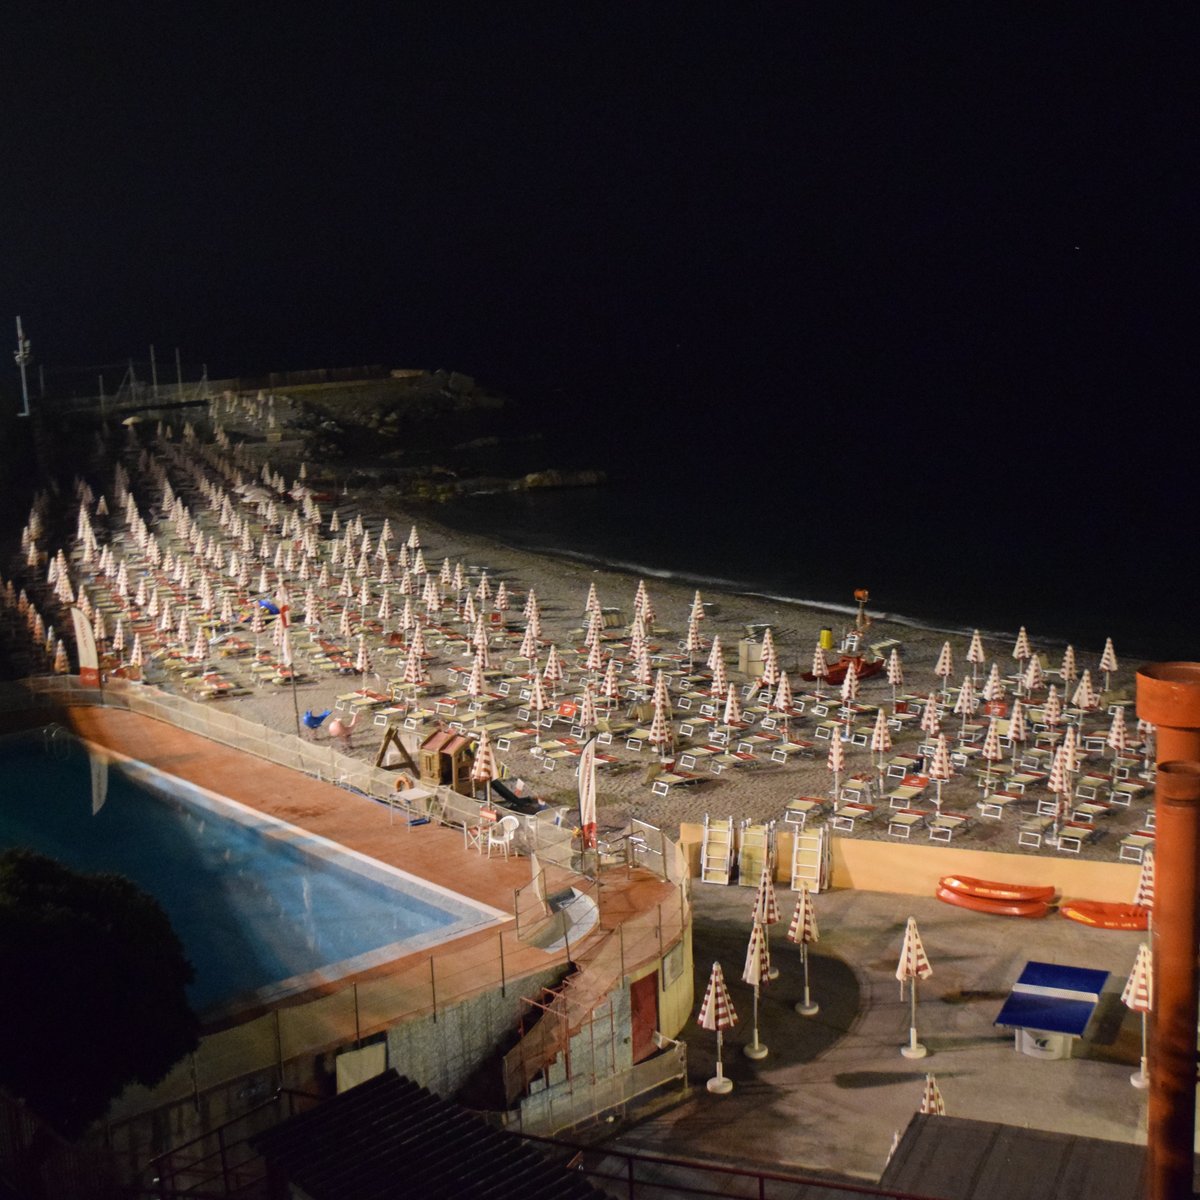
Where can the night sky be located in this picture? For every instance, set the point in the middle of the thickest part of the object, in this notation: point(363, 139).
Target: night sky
point(979, 220)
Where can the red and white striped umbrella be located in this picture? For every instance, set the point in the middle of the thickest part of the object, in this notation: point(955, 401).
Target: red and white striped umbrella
point(940, 767)
point(1108, 663)
point(881, 737)
point(733, 707)
point(895, 673)
point(770, 660)
point(595, 659)
point(975, 655)
point(587, 795)
point(693, 645)
point(591, 605)
point(1021, 649)
point(766, 907)
point(966, 703)
point(476, 683)
point(61, 663)
point(716, 1009)
point(610, 689)
point(662, 696)
point(552, 672)
point(537, 696)
point(660, 735)
point(418, 563)
point(385, 607)
point(1138, 997)
point(697, 610)
point(1086, 698)
point(468, 611)
point(991, 747)
point(849, 691)
point(803, 931)
point(820, 666)
point(993, 688)
point(944, 667)
point(529, 645)
point(643, 673)
point(716, 656)
point(587, 709)
point(118, 638)
point(362, 663)
point(932, 1103)
point(1033, 676)
point(418, 640)
point(137, 656)
point(836, 760)
point(484, 768)
point(414, 668)
point(1052, 708)
point(1144, 896)
point(720, 679)
point(200, 646)
point(914, 962)
point(345, 624)
point(1068, 670)
point(931, 722)
point(502, 601)
point(782, 702)
point(758, 957)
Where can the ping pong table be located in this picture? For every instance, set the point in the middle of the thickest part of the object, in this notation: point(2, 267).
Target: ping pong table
point(1049, 1006)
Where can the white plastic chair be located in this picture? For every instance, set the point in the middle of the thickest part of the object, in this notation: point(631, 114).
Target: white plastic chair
point(501, 834)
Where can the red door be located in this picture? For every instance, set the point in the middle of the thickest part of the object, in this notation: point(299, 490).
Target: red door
point(643, 1015)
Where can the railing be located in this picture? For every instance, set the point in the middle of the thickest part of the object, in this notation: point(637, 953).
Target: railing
point(638, 1176)
point(222, 1162)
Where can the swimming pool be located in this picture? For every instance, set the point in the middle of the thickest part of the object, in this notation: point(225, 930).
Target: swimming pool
point(263, 908)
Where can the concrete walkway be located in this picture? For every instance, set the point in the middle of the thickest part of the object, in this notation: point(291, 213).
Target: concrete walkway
point(834, 1087)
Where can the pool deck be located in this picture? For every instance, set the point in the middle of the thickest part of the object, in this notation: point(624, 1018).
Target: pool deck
point(430, 852)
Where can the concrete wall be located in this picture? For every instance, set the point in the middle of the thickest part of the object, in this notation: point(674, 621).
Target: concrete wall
point(442, 1054)
point(914, 869)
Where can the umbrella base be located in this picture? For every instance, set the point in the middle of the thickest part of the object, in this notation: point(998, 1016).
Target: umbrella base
point(808, 1010)
point(913, 1050)
point(1140, 1080)
point(773, 973)
point(755, 1050)
point(719, 1085)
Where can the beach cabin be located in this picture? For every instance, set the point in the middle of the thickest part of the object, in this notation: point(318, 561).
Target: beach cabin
point(446, 758)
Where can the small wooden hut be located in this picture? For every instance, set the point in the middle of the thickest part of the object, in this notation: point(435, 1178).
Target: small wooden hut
point(446, 758)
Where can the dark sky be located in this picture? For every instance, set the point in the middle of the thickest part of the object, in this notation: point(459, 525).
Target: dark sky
point(932, 205)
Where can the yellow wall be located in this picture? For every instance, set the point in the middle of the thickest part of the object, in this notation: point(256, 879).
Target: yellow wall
point(913, 869)
point(676, 999)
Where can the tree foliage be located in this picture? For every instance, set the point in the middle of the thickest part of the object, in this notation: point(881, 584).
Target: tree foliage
point(93, 994)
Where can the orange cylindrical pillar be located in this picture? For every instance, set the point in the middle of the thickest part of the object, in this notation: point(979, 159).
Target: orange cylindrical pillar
point(1171, 1120)
point(1168, 696)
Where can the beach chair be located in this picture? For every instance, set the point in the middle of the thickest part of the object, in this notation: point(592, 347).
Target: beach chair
point(944, 827)
point(1073, 834)
point(903, 821)
point(1032, 831)
point(1134, 845)
point(846, 817)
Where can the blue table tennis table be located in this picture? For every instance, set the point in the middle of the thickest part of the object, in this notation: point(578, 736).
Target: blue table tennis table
point(1049, 1006)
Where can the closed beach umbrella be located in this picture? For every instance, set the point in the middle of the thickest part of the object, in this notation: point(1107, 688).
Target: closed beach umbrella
point(991, 749)
point(475, 681)
point(484, 769)
point(1060, 784)
point(1144, 895)
point(931, 723)
point(766, 908)
point(1085, 698)
point(755, 973)
point(1117, 740)
point(1033, 677)
point(587, 709)
point(895, 674)
point(587, 795)
point(940, 767)
point(697, 610)
point(849, 691)
point(1068, 670)
point(716, 656)
point(803, 931)
point(932, 1103)
point(643, 673)
point(1108, 663)
point(975, 655)
point(782, 703)
point(881, 741)
point(1021, 650)
point(1052, 708)
point(595, 658)
point(610, 689)
point(693, 645)
point(660, 736)
point(913, 965)
point(993, 688)
point(770, 660)
point(944, 667)
point(717, 1013)
point(967, 703)
point(1138, 997)
point(733, 708)
point(529, 646)
point(836, 761)
point(362, 664)
point(662, 696)
point(820, 666)
point(501, 603)
point(537, 696)
point(720, 680)
point(414, 669)
point(552, 673)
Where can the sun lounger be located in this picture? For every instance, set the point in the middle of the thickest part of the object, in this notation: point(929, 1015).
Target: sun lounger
point(846, 817)
point(1032, 831)
point(1127, 790)
point(902, 822)
point(945, 826)
point(1091, 811)
point(1073, 834)
point(800, 812)
point(993, 805)
point(668, 779)
point(1134, 845)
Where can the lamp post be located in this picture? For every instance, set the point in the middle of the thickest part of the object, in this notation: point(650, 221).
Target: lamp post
point(22, 356)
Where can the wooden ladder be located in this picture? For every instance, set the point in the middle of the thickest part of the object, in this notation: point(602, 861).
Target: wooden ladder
point(716, 852)
point(810, 855)
point(757, 844)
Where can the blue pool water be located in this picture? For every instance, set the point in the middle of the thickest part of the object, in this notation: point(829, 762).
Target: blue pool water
point(255, 902)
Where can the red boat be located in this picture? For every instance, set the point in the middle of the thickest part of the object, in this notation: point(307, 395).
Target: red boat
point(837, 670)
point(987, 889)
point(996, 908)
point(1100, 915)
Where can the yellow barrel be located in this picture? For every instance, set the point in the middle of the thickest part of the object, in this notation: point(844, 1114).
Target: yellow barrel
point(826, 639)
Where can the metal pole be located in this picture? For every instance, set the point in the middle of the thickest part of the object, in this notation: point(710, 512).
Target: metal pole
point(357, 1028)
point(503, 980)
point(178, 375)
point(433, 987)
point(22, 357)
point(153, 373)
